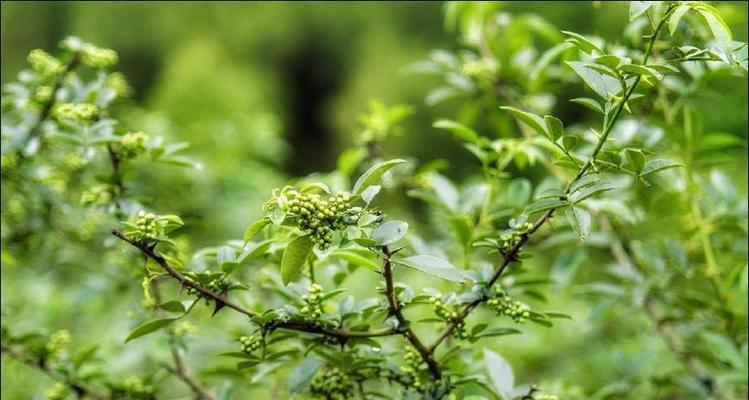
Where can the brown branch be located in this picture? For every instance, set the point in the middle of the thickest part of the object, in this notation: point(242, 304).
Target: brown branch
point(80, 389)
point(223, 301)
point(183, 373)
point(119, 184)
point(180, 370)
point(404, 325)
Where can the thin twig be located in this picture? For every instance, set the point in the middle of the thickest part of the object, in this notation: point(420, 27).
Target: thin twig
point(511, 254)
point(223, 301)
point(404, 324)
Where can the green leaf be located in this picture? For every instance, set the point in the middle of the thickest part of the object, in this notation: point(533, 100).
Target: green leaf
point(459, 130)
point(554, 127)
point(315, 187)
point(445, 191)
point(608, 60)
point(673, 20)
point(371, 176)
point(569, 142)
point(656, 165)
point(148, 327)
point(543, 204)
point(718, 27)
point(722, 348)
point(255, 228)
point(534, 121)
point(294, 257)
point(226, 254)
point(303, 374)
point(594, 190)
point(637, 8)
point(640, 70)
point(585, 180)
point(633, 160)
point(588, 102)
point(171, 222)
point(173, 306)
point(500, 373)
point(355, 258)
point(580, 220)
point(389, 232)
point(582, 42)
point(433, 266)
point(604, 85)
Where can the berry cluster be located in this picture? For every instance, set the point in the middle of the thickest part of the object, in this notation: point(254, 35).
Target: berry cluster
point(312, 308)
point(57, 343)
point(503, 304)
point(98, 195)
point(318, 216)
point(147, 228)
point(58, 391)
point(44, 63)
point(449, 314)
point(250, 343)
point(131, 145)
point(413, 368)
point(81, 112)
point(332, 384)
point(97, 57)
point(511, 239)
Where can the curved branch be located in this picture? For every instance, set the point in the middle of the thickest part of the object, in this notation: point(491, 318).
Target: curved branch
point(511, 254)
point(395, 309)
point(223, 301)
point(80, 389)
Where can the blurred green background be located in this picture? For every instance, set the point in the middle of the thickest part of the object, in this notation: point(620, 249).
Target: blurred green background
point(269, 91)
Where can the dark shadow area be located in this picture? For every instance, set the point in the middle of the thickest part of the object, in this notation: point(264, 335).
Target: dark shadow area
point(312, 73)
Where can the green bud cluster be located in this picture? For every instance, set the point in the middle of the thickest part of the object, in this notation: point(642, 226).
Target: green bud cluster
point(503, 304)
point(44, 63)
point(58, 391)
point(414, 368)
point(74, 161)
point(449, 314)
point(482, 69)
point(97, 57)
point(81, 112)
point(312, 308)
point(57, 343)
point(135, 386)
point(117, 82)
point(98, 195)
point(250, 343)
point(332, 384)
point(147, 227)
point(43, 93)
point(545, 396)
point(131, 145)
point(184, 328)
point(511, 239)
point(318, 216)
